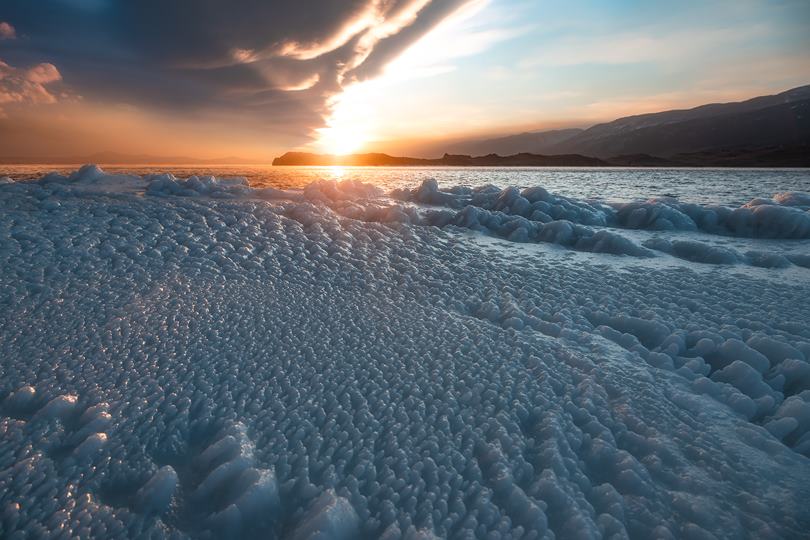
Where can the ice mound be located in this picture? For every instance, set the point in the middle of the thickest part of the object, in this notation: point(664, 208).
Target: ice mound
point(535, 204)
point(93, 178)
point(694, 251)
point(156, 495)
point(223, 188)
point(233, 494)
point(655, 215)
point(519, 229)
point(528, 215)
point(346, 364)
point(792, 198)
point(785, 216)
point(330, 518)
point(330, 190)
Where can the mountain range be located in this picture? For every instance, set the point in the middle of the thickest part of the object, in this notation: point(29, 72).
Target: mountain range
point(448, 160)
point(769, 130)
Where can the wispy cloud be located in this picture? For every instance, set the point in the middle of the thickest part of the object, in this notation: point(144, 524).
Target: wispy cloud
point(471, 30)
point(278, 65)
point(360, 110)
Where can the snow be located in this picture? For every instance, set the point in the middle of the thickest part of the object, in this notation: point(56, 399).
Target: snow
point(198, 358)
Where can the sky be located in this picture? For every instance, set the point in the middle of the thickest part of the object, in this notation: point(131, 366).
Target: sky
point(255, 78)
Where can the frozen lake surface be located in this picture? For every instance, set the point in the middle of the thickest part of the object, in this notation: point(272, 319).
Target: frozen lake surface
point(570, 354)
point(732, 187)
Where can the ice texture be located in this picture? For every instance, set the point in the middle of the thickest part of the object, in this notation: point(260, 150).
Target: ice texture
point(196, 358)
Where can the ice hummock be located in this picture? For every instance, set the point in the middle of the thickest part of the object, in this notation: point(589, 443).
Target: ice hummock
point(198, 358)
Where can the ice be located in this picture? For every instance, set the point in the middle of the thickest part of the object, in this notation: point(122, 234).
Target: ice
point(21, 399)
point(58, 407)
point(793, 198)
point(93, 178)
point(694, 251)
point(156, 495)
point(222, 188)
point(735, 350)
point(776, 351)
point(656, 215)
point(787, 215)
point(330, 190)
point(330, 518)
point(90, 445)
point(199, 358)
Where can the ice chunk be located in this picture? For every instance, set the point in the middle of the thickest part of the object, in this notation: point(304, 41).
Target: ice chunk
point(330, 190)
point(653, 214)
point(743, 377)
point(59, 407)
point(225, 449)
point(797, 409)
point(734, 349)
point(156, 495)
point(793, 198)
point(260, 501)
point(90, 445)
point(775, 350)
point(766, 260)
point(694, 251)
point(329, 518)
point(21, 400)
point(221, 476)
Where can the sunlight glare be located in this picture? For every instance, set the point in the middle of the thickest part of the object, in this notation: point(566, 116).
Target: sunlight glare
point(350, 125)
point(366, 109)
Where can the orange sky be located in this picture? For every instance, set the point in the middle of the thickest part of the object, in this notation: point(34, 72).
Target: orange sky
point(404, 77)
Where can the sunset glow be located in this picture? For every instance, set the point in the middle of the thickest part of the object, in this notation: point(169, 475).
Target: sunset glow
point(368, 110)
point(402, 77)
point(350, 125)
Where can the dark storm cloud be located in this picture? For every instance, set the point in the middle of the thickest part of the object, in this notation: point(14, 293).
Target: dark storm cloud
point(273, 62)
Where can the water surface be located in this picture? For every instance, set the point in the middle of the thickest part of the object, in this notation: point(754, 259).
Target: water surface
point(730, 187)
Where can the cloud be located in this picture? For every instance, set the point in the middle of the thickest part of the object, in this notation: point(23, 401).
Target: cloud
point(7, 31)
point(275, 64)
point(43, 74)
point(27, 86)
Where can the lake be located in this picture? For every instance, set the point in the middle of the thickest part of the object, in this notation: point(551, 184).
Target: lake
point(729, 187)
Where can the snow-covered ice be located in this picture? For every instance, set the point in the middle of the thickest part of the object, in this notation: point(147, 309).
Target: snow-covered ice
point(198, 358)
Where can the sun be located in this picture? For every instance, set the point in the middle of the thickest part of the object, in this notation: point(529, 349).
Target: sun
point(340, 140)
point(351, 124)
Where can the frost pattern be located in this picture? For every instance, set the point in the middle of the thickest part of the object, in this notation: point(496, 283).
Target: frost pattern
point(194, 358)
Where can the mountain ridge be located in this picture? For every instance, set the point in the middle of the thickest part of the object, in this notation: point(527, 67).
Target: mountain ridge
point(377, 159)
point(759, 123)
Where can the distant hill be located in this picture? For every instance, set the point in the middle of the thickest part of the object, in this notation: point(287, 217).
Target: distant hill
point(777, 122)
point(455, 160)
point(768, 131)
point(794, 156)
point(532, 142)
